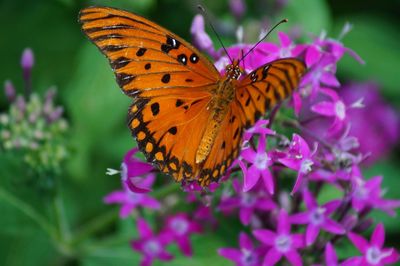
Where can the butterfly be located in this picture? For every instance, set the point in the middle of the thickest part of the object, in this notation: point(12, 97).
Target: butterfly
point(187, 118)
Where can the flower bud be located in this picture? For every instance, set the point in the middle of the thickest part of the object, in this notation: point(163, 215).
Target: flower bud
point(9, 91)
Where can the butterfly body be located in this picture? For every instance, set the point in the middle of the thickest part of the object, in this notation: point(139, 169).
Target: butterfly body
point(187, 118)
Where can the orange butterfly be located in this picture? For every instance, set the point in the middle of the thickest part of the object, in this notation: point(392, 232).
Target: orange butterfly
point(187, 118)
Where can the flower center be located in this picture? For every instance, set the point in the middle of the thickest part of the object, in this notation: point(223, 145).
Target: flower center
point(180, 226)
point(124, 172)
point(361, 192)
point(340, 110)
point(374, 255)
point(261, 161)
point(317, 216)
point(248, 258)
point(283, 243)
point(152, 247)
point(133, 197)
point(306, 166)
point(248, 200)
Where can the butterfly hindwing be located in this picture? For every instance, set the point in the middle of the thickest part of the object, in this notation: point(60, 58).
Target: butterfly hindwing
point(168, 130)
point(146, 58)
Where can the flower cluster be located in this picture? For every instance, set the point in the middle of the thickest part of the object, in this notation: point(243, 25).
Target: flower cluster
point(33, 128)
point(137, 181)
point(278, 189)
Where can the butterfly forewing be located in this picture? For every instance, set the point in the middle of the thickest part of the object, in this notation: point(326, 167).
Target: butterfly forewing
point(146, 58)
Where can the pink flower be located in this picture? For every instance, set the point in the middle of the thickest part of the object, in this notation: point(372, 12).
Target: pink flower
point(179, 227)
point(282, 243)
point(299, 158)
point(246, 202)
point(151, 246)
point(373, 252)
point(260, 161)
point(246, 255)
point(336, 109)
point(368, 193)
point(130, 200)
point(317, 217)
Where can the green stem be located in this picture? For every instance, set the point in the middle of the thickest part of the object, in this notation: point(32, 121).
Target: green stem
point(61, 219)
point(30, 212)
point(94, 225)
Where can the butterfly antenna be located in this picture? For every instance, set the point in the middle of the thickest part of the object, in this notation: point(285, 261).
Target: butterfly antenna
point(263, 38)
point(203, 11)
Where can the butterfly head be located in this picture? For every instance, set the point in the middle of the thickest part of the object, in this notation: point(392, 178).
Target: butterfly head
point(233, 71)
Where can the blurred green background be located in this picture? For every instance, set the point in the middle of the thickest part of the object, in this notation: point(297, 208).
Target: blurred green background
point(96, 111)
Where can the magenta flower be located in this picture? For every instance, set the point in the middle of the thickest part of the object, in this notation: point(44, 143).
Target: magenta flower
point(151, 246)
point(375, 131)
point(200, 38)
point(373, 252)
point(27, 59)
point(246, 202)
point(238, 8)
point(330, 255)
point(368, 193)
point(260, 161)
point(131, 171)
point(299, 158)
point(282, 243)
point(336, 109)
point(322, 72)
point(9, 91)
point(317, 217)
point(259, 128)
point(322, 45)
point(287, 48)
point(130, 200)
point(178, 228)
point(246, 255)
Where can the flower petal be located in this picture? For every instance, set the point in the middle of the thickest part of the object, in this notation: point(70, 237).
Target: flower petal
point(300, 218)
point(283, 222)
point(126, 210)
point(184, 245)
point(265, 236)
point(333, 227)
point(268, 181)
point(245, 241)
point(324, 108)
point(272, 257)
point(245, 215)
point(330, 255)
point(230, 253)
point(378, 236)
point(358, 241)
point(143, 228)
point(294, 257)
point(311, 234)
point(251, 177)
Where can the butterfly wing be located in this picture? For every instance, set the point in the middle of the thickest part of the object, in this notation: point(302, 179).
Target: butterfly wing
point(256, 94)
point(146, 58)
point(267, 86)
point(169, 80)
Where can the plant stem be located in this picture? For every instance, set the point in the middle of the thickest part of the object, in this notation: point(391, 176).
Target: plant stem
point(30, 212)
point(94, 225)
